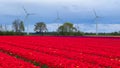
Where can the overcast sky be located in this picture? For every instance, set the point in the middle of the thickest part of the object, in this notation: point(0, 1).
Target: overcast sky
point(75, 11)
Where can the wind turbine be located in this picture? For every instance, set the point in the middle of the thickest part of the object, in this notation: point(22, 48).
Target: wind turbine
point(26, 17)
point(58, 17)
point(96, 18)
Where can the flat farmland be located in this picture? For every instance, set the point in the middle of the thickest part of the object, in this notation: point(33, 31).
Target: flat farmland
point(59, 52)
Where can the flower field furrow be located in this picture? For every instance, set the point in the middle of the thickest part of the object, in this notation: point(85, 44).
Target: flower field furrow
point(74, 55)
point(84, 50)
point(44, 58)
point(65, 52)
point(7, 61)
point(87, 51)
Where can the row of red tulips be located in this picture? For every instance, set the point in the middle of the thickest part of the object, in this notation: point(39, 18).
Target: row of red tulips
point(92, 46)
point(66, 52)
point(105, 49)
point(81, 56)
point(51, 61)
point(7, 61)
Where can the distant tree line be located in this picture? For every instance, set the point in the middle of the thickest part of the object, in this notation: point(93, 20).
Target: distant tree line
point(40, 28)
point(66, 29)
point(17, 28)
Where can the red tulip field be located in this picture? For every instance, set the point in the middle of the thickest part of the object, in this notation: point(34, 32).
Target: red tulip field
point(59, 52)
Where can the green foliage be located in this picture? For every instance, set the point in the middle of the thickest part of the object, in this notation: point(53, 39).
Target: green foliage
point(79, 33)
point(40, 27)
point(67, 29)
point(104, 34)
point(11, 33)
point(44, 66)
point(21, 26)
point(1, 28)
point(18, 26)
point(115, 33)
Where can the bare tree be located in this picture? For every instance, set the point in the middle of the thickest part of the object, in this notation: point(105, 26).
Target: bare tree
point(18, 26)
